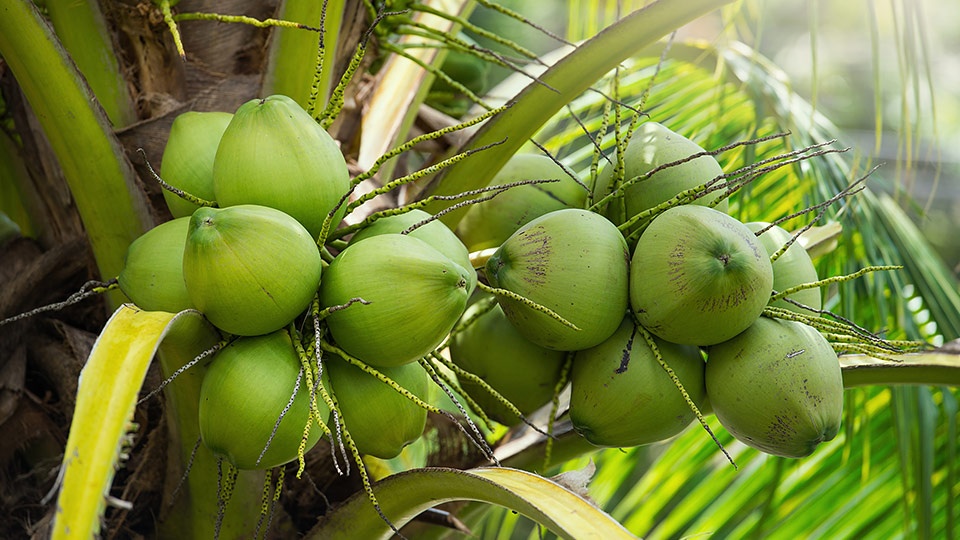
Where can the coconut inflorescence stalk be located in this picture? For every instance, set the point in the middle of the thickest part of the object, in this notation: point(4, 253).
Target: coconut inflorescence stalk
point(651, 147)
point(521, 371)
point(488, 224)
point(189, 156)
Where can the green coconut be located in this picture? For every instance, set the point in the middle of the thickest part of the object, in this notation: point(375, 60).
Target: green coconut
point(275, 154)
point(250, 269)
point(620, 396)
point(435, 233)
point(653, 145)
point(188, 158)
point(698, 276)
point(244, 391)
point(152, 275)
point(573, 262)
point(777, 387)
point(489, 223)
point(792, 268)
point(524, 373)
point(380, 420)
point(412, 296)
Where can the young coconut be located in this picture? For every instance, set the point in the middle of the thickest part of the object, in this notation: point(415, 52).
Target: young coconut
point(698, 276)
point(275, 154)
point(488, 224)
point(524, 373)
point(573, 262)
point(435, 233)
point(412, 296)
point(380, 420)
point(245, 390)
point(621, 396)
point(777, 387)
point(250, 269)
point(792, 268)
point(152, 275)
point(653, 145)
point(188, 158)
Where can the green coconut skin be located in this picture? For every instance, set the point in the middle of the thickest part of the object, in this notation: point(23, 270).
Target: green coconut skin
point(250, 269)
point(275, 154)
point(572, 261)
point(698, 276)
point(245, 389)
point(188, 158)
point(435, 233)
point(152, 275)
point(792, 268)
point(415, 295)
point(380, 420)
point(521, 371)
point(621, 396)
point(488, 224)
point(653, 145)
point(777, 387)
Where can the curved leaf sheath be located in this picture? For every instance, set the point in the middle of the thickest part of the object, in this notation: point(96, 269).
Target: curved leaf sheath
point(106, 398)
point(403, 496)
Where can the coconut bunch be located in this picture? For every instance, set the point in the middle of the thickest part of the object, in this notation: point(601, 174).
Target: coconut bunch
point(255, 195)
point(665, 306)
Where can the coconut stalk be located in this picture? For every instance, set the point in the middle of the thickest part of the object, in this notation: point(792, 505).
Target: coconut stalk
point(100, 178)
point(403, 85)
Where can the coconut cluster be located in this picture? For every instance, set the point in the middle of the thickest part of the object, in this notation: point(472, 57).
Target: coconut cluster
point(264, 187)
point(635, 289)
point(653, 289)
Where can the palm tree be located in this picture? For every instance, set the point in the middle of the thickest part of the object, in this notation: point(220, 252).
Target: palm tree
point(890, 473)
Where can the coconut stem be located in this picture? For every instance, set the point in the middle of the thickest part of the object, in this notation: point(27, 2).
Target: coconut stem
point(88, 289)
point(834, 279)
point(335, 434)
point(462, 373)
point(283, 413)
point(504, 293)
point(417, 175)
point(555, 407)
point(433, 360)
point(175, 190)
point(226, 482)
point(422, 138)
point(329, 347)
point(270, 500)
point(365, 479)
point(648, 338)
point(477, 437)
point(242, 19)
point(172, 26)
point(183, 368)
